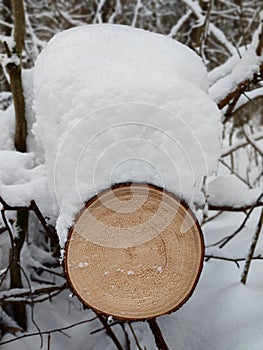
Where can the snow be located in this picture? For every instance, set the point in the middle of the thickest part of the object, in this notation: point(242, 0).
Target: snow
point(241, 66)
point(7, 127)
point(83, 264)
point(22, 175)
point(231, 192)
point(133, 108)
point(13, 58)
point(27, 80)
point(6, 319)
point(179, 24)
point(226, 68)
point(247, 66)
point(22, 180)
point(226, 151)
point(250, 95)
point(196, 9)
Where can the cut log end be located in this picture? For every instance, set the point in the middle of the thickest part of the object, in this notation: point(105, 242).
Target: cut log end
point(135, 252)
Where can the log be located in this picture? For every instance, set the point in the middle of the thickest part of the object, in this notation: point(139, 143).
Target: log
point(135, 252)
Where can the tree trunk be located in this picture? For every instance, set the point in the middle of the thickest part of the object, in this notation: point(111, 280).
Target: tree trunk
point(18, 310)
point(14, 71)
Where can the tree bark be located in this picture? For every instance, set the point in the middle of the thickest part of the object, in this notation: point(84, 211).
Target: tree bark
point(19, 21)
point(18, 310)
point(14, 70)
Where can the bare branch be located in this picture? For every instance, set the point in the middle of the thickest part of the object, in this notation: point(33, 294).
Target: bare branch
point(109, 332)
point(235, 173)
point(5, 297)
point(241, 144)
point(159, 339)
point(251, 140)
point(227, 239)
point(60, 330)
point(134, 336)
point(208, 257)
point(252, 249)
point(32, 305)
point(33, 206)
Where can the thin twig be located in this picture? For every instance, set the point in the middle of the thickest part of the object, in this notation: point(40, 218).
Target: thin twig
point(60, 330)
point(227, 239)
point(208, 219)
point(33, 206)
point(48, 341)
point(31, 292)
point(135, 336)
point(235, 209)
point(159, 339)
point(128, 343)
point(103, 328)
point(8, 229)
point(259, 257)
point(205, 31)
point(52, 272)
point(11, 238)
point(32, 305)
point(235, 173)
point(110, 332)
point(53, 237)
point(49, 297)
point(251, 142)
point(37, 300)
point(252, 249)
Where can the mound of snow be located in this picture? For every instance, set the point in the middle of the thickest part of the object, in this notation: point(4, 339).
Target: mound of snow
point(22, 180)
point(116, 104)
point(7, 127)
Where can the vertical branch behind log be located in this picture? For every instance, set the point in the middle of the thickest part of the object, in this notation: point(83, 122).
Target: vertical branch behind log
point(252, 249)
point(159, 340)
point(110, 332)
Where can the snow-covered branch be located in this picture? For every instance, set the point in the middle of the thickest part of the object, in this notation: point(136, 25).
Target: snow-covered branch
point(226, 151)
point(239, 74)
point(25, 294)
point(212, 28)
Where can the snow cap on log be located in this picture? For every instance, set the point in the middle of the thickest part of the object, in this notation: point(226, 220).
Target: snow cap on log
point(116, 104)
